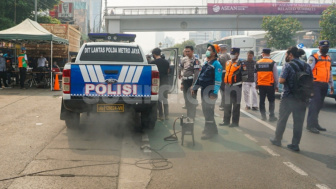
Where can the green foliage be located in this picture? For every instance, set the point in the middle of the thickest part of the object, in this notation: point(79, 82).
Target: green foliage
point(328, 25)
point(47, 20)
point(280, 32)
point(181, 46)
point(24, 9)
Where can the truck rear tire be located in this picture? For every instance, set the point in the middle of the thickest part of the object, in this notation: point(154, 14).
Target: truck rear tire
point(72, 121)
point(148, 117)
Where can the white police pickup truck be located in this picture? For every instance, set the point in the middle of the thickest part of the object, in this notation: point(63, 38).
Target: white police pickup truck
point(109, 77)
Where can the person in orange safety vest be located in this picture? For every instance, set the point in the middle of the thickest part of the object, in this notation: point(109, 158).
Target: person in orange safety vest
point(266, 78)
point(320, 64)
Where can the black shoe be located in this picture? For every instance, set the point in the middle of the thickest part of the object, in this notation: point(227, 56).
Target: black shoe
point(247, 108)
point(273, 118)
point(255, 108)
point(184, 107)
point(263, 117)
point(234, 125)
point(275, 142)
point(293, 147)
point(224, 124)
point(313, 130)
point(320, 128)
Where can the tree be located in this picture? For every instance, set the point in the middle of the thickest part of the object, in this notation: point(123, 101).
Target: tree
point(328, 25)
point(280, 32)
point(23, 9)
point(181, 46)
point(47, 20)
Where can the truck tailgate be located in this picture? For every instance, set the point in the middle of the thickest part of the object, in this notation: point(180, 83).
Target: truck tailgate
point(111, 80)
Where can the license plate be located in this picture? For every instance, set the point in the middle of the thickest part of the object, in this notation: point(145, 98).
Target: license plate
point(110, 108)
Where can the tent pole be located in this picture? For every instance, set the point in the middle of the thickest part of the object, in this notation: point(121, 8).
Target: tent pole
point(51, 65)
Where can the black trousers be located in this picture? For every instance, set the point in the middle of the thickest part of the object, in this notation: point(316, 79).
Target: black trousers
point(316, 103)
point(232, 103)
point(208, 108)
point(222, 91)
point(163, 101)
point(23, 72)
point(3, 77)
point(190, 100)
point(290, 105)
point(269, 92)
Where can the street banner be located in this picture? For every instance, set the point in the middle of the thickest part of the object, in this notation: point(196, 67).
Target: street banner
point(267, 8)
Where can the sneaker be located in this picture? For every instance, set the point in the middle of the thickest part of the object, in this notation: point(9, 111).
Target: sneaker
point(263, 117)
point(224, 124)
point(221, 109)
point(275, 142)
point(208, 135)
point(184, 107)
point(247, 108)
point(313, 130)
point(318, 127)
point(255, 108)
point(273, 118)
point(8, 87)
point(293, 147)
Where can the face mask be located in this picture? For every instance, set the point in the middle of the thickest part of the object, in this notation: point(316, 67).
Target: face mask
point(324, 51)
point(233, 56)
point(208, 54)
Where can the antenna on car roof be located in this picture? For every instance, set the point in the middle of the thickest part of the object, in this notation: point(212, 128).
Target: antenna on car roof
point(115, 37)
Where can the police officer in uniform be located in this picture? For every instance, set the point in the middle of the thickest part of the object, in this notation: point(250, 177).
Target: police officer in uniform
point(320, 64)
point(233, 88)
point(209, 81)
point(188, 71)
point(267, 83)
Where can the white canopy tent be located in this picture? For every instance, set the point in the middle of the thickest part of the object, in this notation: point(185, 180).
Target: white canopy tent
point(30, 31)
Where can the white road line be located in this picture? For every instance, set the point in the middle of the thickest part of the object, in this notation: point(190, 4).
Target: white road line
point(259, 120)
point(239, 130)
point(267, 149)
point(295, 168)
point(322, 186)
point(251, 138)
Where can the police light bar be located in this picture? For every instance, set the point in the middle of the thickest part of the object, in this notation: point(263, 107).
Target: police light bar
point(116, 37)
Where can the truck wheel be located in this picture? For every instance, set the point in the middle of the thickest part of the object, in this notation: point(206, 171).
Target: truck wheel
point(148, 117)
point(72, 121)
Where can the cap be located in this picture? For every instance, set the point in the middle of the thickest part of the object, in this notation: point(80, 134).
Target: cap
point(324, 43)
point(234, 50)
point(214, 47)
point(266, 51)
point(23, 48)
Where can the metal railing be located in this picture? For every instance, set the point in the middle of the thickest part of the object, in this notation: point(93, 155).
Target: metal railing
point(185, 10)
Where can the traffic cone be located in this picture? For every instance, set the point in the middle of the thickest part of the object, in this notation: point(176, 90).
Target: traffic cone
point(56, 85)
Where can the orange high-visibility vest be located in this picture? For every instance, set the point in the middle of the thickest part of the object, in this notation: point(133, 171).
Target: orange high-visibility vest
point(232, 72)
point(264, 67)
point(22, 61)
point(321, 71)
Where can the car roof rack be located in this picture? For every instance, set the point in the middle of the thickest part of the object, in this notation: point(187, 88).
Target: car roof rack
point(115, 37)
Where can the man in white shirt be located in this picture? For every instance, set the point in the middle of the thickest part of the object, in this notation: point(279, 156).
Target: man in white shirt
point(42, 63)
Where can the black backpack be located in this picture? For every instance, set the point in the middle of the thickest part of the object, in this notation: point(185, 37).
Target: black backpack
point(303, 82)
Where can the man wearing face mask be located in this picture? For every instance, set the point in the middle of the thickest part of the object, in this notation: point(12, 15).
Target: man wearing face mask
point(209, 80)
point(233, 89)
point(320, 64)
point(267, 83)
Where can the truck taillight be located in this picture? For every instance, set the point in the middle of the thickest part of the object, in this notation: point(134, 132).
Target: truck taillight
point(66, 81)
point(155, 82)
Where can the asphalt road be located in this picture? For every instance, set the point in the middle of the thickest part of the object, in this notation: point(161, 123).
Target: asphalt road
point(38, 151)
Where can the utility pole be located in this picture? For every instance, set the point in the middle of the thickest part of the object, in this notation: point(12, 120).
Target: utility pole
point(35, 10)
point(15, 12)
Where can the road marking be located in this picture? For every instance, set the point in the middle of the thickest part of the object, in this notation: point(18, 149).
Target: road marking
point(295, 168)
point(239, 130)
point(322, 186)
point(251, 138)
point(39, 123)
point(270, 151)
point(259, 120)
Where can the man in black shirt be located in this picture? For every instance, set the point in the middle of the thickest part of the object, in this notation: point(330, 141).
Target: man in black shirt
point(163, 66)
